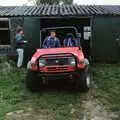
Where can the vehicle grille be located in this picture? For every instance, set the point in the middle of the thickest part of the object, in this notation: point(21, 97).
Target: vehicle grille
point(57, 61)
point(57, 69)
point(58, 64)
point(50, 69)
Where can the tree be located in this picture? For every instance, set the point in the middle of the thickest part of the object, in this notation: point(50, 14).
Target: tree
point(37, 2)
point(67, 1)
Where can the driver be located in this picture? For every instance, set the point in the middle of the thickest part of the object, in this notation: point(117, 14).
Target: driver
point(51, 41)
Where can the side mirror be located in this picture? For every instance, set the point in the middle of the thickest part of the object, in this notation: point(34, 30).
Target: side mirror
point(78, 35)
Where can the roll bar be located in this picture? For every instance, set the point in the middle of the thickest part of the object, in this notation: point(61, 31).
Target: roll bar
point(57, 28)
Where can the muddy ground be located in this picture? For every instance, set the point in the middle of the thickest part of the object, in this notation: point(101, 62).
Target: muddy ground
point(92, 109)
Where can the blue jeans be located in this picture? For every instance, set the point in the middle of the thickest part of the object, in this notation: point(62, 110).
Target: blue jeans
point(20, 52)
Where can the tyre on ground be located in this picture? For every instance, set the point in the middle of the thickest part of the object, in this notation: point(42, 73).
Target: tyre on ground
point(33, 82)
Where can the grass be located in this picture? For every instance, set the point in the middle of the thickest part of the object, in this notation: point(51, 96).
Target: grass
point(14, 96)
point(107, 84)
point(57, 105)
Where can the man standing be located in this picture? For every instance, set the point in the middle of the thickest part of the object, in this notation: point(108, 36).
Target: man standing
point(20, 46)
point(51, 41)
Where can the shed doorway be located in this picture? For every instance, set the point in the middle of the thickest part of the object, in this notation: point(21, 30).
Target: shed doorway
point(4, 35)
point(83, 26)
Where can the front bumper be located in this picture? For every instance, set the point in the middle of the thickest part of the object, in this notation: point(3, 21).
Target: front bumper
point(61, 75)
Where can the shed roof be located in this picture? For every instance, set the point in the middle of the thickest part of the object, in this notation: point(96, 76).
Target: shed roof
point(59, 10)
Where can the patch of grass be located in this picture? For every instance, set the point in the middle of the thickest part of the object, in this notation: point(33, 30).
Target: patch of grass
point(107, 84)
point(56, 105)
point(14, 96)
point(11, 87)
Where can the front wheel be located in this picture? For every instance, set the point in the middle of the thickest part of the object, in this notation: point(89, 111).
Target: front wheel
point(83, 81)
point(33, 82)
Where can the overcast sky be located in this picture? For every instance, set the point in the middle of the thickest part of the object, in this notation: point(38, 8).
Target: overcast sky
point(92, 2)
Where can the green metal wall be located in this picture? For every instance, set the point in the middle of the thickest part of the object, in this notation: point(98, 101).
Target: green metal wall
point(32, 34)
point(104, 34)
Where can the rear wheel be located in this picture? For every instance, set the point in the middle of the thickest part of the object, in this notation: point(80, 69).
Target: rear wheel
point(33, 82)
point(83, 81)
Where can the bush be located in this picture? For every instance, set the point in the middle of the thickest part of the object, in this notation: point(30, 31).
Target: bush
point(6, 66)
point(3, 58)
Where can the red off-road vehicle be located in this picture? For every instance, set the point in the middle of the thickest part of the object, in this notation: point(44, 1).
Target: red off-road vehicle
point(59, 63)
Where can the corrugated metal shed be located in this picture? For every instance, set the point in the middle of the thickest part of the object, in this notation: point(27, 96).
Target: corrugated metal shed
point(4, 11)
point(59, 10)
point(114, 9)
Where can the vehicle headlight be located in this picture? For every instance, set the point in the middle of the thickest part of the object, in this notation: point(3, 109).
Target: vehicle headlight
point(72, 61)
point(42, 62)
point(33, 64)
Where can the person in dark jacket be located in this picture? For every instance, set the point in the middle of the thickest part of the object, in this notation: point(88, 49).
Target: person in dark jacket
point(20, 43)
point(69, 41)
point(51, 41)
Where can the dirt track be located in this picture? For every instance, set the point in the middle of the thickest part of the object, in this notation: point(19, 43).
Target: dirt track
point(92, 110)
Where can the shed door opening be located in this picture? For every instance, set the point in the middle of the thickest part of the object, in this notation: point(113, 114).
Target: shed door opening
point(4, 34)
point(82, 24)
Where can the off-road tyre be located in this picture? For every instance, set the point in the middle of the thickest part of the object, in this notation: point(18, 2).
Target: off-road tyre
point(83, 81)
point(33, 82)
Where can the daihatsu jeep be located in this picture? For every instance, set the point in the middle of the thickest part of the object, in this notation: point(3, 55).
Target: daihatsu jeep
point(59, 63)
